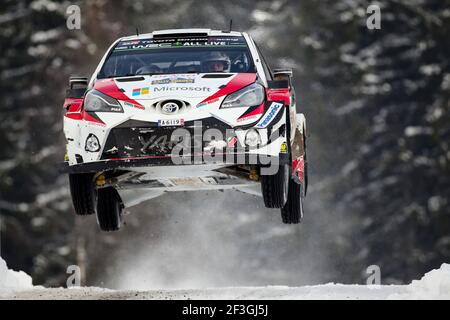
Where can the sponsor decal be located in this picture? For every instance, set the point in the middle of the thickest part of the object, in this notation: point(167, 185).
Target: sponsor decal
point(127, 43)
point(207, 102)
point(181, 43)
point(170, 122)
point(275, 107)
point(129, 104)
point(66, 155)
point(176, 80)
point(166, 88)
point(249, 118)
point(96, 123)
point(208, 43)
point(116, 109)
point(140, 91)
point(283, 148)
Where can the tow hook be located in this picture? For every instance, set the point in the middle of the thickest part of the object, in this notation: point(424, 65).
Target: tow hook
point(253, 174)
point(100, 181)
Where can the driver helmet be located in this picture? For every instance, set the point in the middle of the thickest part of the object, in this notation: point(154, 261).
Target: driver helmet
point(216, 62)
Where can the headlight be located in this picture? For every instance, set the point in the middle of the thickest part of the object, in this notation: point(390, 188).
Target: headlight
point(251, 95)
point(96, 101)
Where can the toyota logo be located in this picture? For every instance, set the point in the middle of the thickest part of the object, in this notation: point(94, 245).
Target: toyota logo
point(170, 108)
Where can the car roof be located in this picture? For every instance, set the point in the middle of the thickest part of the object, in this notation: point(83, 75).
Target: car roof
point(183, 32)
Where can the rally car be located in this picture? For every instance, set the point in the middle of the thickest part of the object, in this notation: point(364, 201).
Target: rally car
point(181, 110)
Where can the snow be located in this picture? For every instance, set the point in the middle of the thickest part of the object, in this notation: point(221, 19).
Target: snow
point(261, 16)
point(43, 36)
point(433, 285)
point(412, 131)
point(42, 5)
point(12, 280)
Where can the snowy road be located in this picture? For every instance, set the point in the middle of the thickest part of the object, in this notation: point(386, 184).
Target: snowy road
point(329, 291)
point(314, 292)
point(433, 285)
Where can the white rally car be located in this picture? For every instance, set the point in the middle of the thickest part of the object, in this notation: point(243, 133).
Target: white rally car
point(179, 110)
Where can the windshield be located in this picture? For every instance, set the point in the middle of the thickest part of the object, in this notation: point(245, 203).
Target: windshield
point(174, 55)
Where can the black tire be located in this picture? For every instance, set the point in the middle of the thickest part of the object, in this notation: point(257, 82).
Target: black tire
point(83, 193)
point(292, 212)
point(275, 187)
point(109, 209)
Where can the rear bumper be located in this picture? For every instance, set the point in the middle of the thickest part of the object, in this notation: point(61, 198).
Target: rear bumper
point(163, 161)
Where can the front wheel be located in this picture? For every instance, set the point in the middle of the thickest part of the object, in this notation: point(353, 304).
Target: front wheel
point(275, 187)
point(109, 209)
point(292, 211)
point(83, 193)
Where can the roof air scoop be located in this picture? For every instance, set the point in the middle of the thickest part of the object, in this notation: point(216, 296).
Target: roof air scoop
point(180, 33)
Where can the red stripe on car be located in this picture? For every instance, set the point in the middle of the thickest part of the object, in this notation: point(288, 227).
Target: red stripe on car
point(258, 110)
point(73, 104)
point(83, 115)
point(109, 87)
point(240, 81)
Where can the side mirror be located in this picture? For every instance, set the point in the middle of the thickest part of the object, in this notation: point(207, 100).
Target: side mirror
point(282, 74)
point(77, 87)
point(278, 84)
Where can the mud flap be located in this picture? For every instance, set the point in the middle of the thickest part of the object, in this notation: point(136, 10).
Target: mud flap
point(298, 153)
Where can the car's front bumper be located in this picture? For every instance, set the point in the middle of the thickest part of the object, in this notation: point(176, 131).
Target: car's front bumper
point(225, 159)
point(134, 143)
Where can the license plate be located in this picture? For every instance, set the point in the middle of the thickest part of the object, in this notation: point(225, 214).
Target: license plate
point(170, 122)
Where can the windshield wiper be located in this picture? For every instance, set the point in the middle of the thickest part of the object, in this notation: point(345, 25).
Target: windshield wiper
point(163, 73)
point(147, 74)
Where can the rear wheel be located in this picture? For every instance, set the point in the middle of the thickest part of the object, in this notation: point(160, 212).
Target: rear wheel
point(83, 193)
point(275, 187)
point(292, 211)
point(109, 209)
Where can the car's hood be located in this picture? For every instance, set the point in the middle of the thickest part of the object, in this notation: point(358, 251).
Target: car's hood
point(189, 87)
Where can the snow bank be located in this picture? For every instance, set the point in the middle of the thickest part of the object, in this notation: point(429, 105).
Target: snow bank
point(12, 280)
point(433, 285)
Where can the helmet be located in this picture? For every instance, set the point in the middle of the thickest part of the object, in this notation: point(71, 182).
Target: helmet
point(216, 57)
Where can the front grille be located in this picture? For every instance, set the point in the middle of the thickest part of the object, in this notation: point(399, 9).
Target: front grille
point(141, 141)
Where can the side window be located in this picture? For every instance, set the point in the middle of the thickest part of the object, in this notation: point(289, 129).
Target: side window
point(266, 68)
